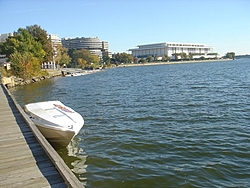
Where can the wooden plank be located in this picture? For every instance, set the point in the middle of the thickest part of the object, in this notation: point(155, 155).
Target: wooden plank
point(62, 168)
point(22, 143)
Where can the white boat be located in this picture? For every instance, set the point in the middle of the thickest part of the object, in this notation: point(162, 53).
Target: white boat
point(57, 122)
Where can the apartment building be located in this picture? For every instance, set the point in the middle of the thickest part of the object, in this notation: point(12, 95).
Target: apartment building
point(93, 44)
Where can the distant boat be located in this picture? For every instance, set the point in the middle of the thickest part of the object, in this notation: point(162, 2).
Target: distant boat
point(74, 74)
point(58, 123)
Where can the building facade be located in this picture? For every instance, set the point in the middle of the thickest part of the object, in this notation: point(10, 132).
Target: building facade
point(3, 37)
point(169, 49)
point(3, 59)
point(55, 39)
point(93, 44)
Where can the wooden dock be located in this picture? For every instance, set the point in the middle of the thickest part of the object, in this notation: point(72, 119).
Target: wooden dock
point(26, 157)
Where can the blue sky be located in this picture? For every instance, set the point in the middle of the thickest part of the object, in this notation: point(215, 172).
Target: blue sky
point(124, 24)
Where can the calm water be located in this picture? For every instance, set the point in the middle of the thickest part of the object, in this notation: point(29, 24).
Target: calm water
point(185, 125)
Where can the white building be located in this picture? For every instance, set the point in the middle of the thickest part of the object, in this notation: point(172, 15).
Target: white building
point(55, 42)
point(3, 37)
point(93, 44)
point(171, 48)
point(55, 39)
point(3, 59)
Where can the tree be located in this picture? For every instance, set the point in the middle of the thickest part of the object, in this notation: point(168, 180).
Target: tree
point(149, 58)
point(190, 56)
point(62, 58)
point(142, 60)
point(24, 65)
point(125, 58)
point(135, 59)
point(230, 55)
point(24, 52)
point(106, 58)
point(82, 62)
point(175, 56)
point(40, 35)
point(92, 61)
point(65, 59)
point(117, 58)
point(23, 42)
point(183, 55)
point(122, 58)
point(156, 57)
point(165, 57)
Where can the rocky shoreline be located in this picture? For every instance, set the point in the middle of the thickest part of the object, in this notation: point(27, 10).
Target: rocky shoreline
point(14, 81)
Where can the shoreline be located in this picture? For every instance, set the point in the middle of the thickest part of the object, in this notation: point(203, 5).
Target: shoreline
point(170, 63)
point(14, 82)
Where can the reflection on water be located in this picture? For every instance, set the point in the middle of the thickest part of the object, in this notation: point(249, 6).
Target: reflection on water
point(75, 158)
point(35, 92)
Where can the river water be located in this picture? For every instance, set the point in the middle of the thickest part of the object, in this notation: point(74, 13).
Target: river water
point(180, 125)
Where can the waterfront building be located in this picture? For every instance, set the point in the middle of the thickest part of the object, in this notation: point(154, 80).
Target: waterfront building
point(93, 44)
point(3, 37)
point(55, 39)
point(56, 43)
point(3, 59)
point(172, 48)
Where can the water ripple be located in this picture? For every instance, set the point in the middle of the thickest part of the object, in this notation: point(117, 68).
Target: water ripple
point(183, 125)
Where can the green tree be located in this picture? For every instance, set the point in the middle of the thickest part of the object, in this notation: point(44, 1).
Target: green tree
point(230, 55)
point(176, 56)
point(190, 56)
point(165, 57)
point(23, 42)
point(92, 61)
point(82, 62)
point(183, 55)
point(24, 65)
point(117, 58)
point(126, 58)
point(65, 59)
point(156, 57)
point(40, 35)
point(62, 58)
point(121, 58)
point(149, 58)
point(24, 52)
point(106, 58)
point(142, 60)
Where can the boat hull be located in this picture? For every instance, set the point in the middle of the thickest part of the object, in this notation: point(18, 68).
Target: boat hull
point(56, 136)
point(58, 123)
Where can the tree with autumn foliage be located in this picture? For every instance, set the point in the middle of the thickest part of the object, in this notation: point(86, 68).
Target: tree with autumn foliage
point(40, 35)
point(62, 58)
point(25, 54)
point(84, 59)
point(25, 65)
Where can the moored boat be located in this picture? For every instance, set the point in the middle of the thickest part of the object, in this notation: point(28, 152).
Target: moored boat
point(58, 123)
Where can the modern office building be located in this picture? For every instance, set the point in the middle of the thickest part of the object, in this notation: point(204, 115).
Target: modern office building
point(170, 48)
point(93, 44)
